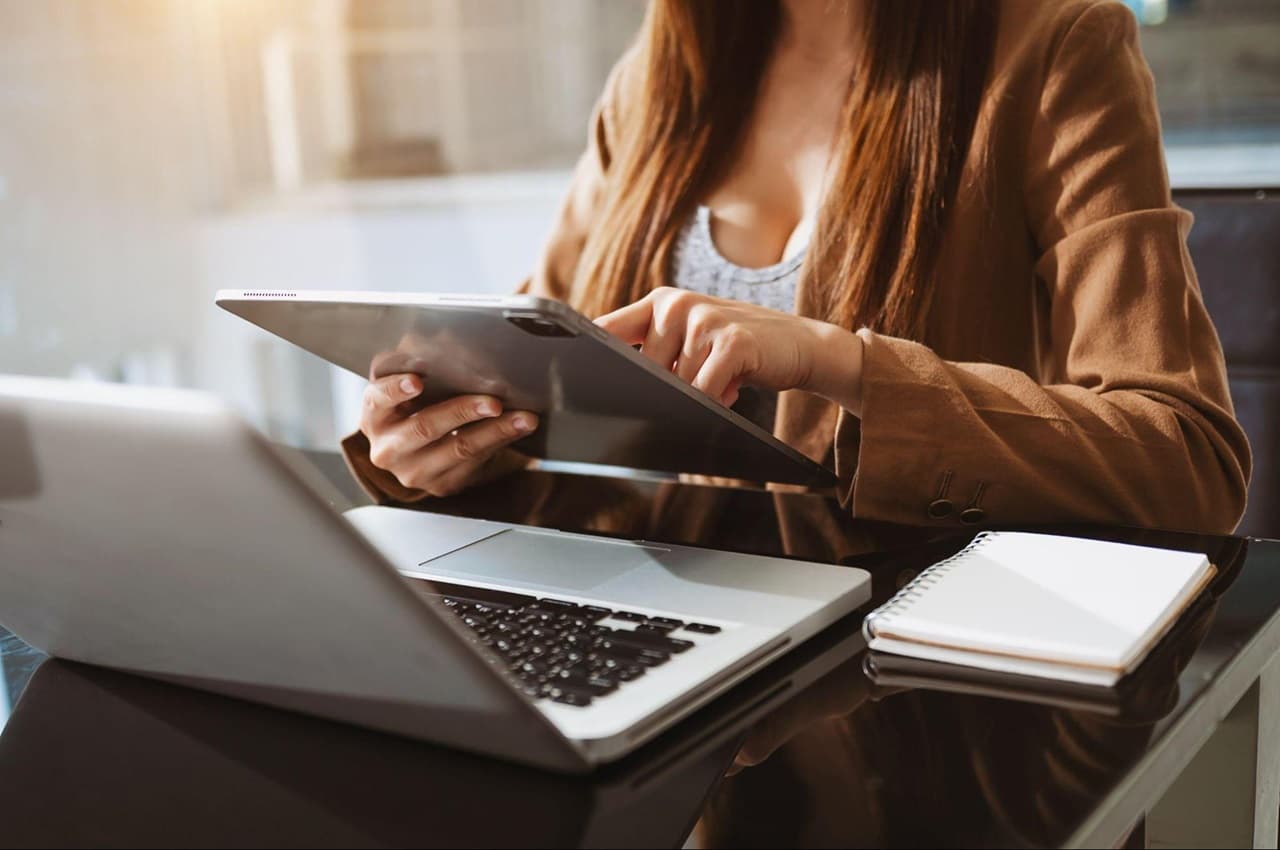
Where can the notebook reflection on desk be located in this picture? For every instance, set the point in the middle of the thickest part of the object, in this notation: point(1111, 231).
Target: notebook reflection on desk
point(1147, 694)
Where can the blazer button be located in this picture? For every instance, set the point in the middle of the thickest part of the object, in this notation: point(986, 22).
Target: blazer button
point(940, 508)
point(972, 514)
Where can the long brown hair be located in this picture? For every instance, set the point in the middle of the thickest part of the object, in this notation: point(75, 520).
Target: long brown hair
point(912, 101)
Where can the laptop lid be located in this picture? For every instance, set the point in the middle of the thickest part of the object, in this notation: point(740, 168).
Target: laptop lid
point(153, 531)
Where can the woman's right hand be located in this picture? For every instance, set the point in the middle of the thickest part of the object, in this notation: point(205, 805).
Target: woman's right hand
point(439, 449)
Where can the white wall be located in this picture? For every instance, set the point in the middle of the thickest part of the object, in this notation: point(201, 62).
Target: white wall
point(101, 163)
point(136, 177)
point(470, 234)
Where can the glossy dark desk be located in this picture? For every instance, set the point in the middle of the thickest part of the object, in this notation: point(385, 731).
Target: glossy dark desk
point(1188, 756)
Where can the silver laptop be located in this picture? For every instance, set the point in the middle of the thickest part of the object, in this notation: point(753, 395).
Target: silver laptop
point(154, 531)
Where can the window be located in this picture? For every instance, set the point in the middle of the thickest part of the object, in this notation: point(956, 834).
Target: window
point(153, 152)
point(1217, 70)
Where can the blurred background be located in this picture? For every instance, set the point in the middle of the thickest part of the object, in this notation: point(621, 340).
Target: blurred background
point(153, 151)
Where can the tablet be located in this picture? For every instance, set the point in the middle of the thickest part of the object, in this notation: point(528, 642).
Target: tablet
point(599, 400)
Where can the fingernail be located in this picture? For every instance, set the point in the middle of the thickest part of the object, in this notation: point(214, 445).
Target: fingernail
point(522, 424)
point(487, 408)
point(406, 384)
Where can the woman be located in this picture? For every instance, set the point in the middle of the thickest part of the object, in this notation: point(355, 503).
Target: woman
point(943, 231)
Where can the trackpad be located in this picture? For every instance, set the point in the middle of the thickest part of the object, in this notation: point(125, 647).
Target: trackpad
point(527, 559)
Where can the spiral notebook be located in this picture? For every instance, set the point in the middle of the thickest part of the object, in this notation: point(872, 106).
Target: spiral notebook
point(1056, 607)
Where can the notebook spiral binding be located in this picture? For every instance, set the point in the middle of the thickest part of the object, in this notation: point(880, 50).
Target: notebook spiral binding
point(914, 589)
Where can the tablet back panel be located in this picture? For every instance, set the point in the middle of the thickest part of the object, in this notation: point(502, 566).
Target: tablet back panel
point(600, 401)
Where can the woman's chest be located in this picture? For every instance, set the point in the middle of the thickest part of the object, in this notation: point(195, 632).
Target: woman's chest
point(771, 185)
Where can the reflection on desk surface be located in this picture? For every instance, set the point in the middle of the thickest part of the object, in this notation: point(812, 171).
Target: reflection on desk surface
point(1070, 752)
point(901, 752)
point(93, 756)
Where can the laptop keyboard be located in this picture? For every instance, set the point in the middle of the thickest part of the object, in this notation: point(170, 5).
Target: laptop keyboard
point(565, 652)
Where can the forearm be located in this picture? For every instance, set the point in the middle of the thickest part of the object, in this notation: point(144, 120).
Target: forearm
point(836, 374)
point(1158, 453)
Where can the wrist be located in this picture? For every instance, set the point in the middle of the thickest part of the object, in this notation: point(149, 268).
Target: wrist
point(837, 366)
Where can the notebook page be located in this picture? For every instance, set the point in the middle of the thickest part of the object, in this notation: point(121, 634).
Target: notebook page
point(1038, 596)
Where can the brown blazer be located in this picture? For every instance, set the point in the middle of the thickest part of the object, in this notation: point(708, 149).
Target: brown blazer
point(1070, 371)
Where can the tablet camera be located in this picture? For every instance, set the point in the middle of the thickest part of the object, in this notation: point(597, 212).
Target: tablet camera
point(539, 325)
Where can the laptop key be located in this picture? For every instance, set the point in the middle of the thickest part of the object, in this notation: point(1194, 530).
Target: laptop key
point(645, 656)
point(651, 628)
point(650, 640)
point(557, 605)
point(535, 666)
point(666, 621)
point(627, 674)
point(595, 613)
point(702, 628)
point(628, 616)
point(473, 595)
point(574, 698)
point(590, 685)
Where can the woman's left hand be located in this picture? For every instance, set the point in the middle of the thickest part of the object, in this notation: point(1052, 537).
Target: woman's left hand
point(718, 345)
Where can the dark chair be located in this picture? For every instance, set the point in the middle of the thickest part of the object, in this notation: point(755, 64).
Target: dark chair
point(1235, 245)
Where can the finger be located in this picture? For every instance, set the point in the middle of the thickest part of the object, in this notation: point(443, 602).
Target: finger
point(392, 442)
point(482, 439)
point(437, 421)
point(630, 323)
point(730, 396)
point(384, 395)
point(752, 757)
point(665, 338)
point(718, 376)
point(770, 733)
point(445, 466)
point(690, 361)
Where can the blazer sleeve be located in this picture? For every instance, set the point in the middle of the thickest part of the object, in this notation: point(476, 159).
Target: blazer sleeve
point(1131, 421)
point(553, 278)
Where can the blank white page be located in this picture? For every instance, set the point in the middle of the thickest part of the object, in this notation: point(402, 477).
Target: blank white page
point(1045, 597)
